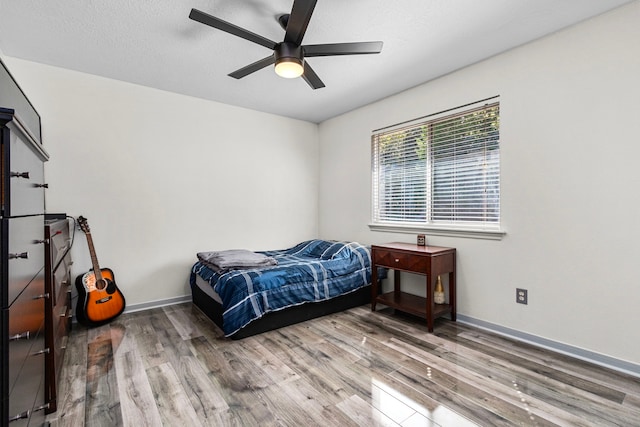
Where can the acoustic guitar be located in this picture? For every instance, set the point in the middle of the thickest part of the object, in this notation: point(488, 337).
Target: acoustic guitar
point(99, 299)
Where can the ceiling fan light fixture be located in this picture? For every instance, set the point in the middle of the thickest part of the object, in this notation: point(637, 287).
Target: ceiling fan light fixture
point(289, 60)
point(289, 68)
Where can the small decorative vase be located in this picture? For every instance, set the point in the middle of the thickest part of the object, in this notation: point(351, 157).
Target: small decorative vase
point(438, 293)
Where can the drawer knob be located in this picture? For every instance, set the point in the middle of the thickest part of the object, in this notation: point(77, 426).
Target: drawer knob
point(22, 255)
point(43, 351)
point(397, 260)
point(20, 175)
point(16, 337)
point(45, 295)
point(41, 185)
point(21, 416)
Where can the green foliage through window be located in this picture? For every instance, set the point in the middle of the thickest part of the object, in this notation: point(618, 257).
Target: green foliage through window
point(444, 171)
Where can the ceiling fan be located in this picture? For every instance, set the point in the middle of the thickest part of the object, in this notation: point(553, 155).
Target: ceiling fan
point(289, 55)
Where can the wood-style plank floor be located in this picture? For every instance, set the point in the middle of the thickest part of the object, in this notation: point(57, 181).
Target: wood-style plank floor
point(173, 367)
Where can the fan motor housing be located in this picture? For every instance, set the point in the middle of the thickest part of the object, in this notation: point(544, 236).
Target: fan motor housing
point(287, 51)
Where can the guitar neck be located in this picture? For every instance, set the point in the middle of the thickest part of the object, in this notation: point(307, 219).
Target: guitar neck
point(94, 258)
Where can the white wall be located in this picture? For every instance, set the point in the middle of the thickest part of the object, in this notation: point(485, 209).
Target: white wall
point(570, 120)
point(162, 176)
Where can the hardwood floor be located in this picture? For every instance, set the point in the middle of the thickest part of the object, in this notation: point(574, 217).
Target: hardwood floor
point(173, 367)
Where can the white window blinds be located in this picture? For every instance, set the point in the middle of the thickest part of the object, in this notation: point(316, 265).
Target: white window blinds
point(444, 171)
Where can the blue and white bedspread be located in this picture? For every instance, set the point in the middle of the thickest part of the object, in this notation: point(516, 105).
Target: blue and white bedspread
point(315, 270)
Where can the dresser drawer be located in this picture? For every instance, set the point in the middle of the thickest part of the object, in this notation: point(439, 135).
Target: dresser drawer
point(23, 172)
point(61, 284)
point(61, 314)
point(26, 398)
point(25, 320)
point(26, 252)
point(59, 242)
point(400, 260)
point(60, 327)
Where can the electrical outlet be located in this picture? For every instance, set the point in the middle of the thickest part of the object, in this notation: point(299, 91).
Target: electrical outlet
point(522, 296)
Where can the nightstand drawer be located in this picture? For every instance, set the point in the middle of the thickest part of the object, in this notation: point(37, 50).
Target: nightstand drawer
point(400, 260)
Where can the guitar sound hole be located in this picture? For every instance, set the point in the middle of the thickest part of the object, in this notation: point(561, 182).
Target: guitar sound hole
point(111, 287)
point(101, 284)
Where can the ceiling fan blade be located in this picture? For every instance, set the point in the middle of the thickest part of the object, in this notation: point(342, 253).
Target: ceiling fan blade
point(311, 77)
point(252, 68)
point(359, 48)
point(299, 20)
point(227, 27)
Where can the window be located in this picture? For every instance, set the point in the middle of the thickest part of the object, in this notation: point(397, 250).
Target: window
point(443, 173)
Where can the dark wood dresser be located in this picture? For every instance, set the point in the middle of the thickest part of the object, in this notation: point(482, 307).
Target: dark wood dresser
point(22, 292)
point(57, 283)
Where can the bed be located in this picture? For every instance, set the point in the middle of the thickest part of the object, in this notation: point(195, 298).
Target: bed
point(311, 279)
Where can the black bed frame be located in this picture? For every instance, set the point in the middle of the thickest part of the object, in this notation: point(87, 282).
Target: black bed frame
point(278, 319)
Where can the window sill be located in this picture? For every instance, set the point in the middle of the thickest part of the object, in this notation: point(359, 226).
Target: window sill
point(471, 233)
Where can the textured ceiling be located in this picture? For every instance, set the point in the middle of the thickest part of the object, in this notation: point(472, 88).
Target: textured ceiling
point(153, 43)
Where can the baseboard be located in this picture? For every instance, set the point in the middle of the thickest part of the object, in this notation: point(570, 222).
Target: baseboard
point(157, 303)
point(577, 352)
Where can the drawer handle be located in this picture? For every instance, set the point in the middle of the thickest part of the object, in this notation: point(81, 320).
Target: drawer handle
point(16, 337)
point(21, 416)
point(43, 351)
point(45, 295)
point(41, 185)
point(38, 242)
point(40, 408)
point(23, 255)
point(20, 175)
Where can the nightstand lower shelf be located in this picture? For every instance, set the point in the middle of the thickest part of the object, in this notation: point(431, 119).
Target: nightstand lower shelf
point(412, 304)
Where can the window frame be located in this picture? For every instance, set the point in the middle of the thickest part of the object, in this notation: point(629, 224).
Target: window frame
point(472, 229)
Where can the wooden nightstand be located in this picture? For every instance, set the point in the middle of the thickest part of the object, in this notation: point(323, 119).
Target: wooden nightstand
point(431, 261)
